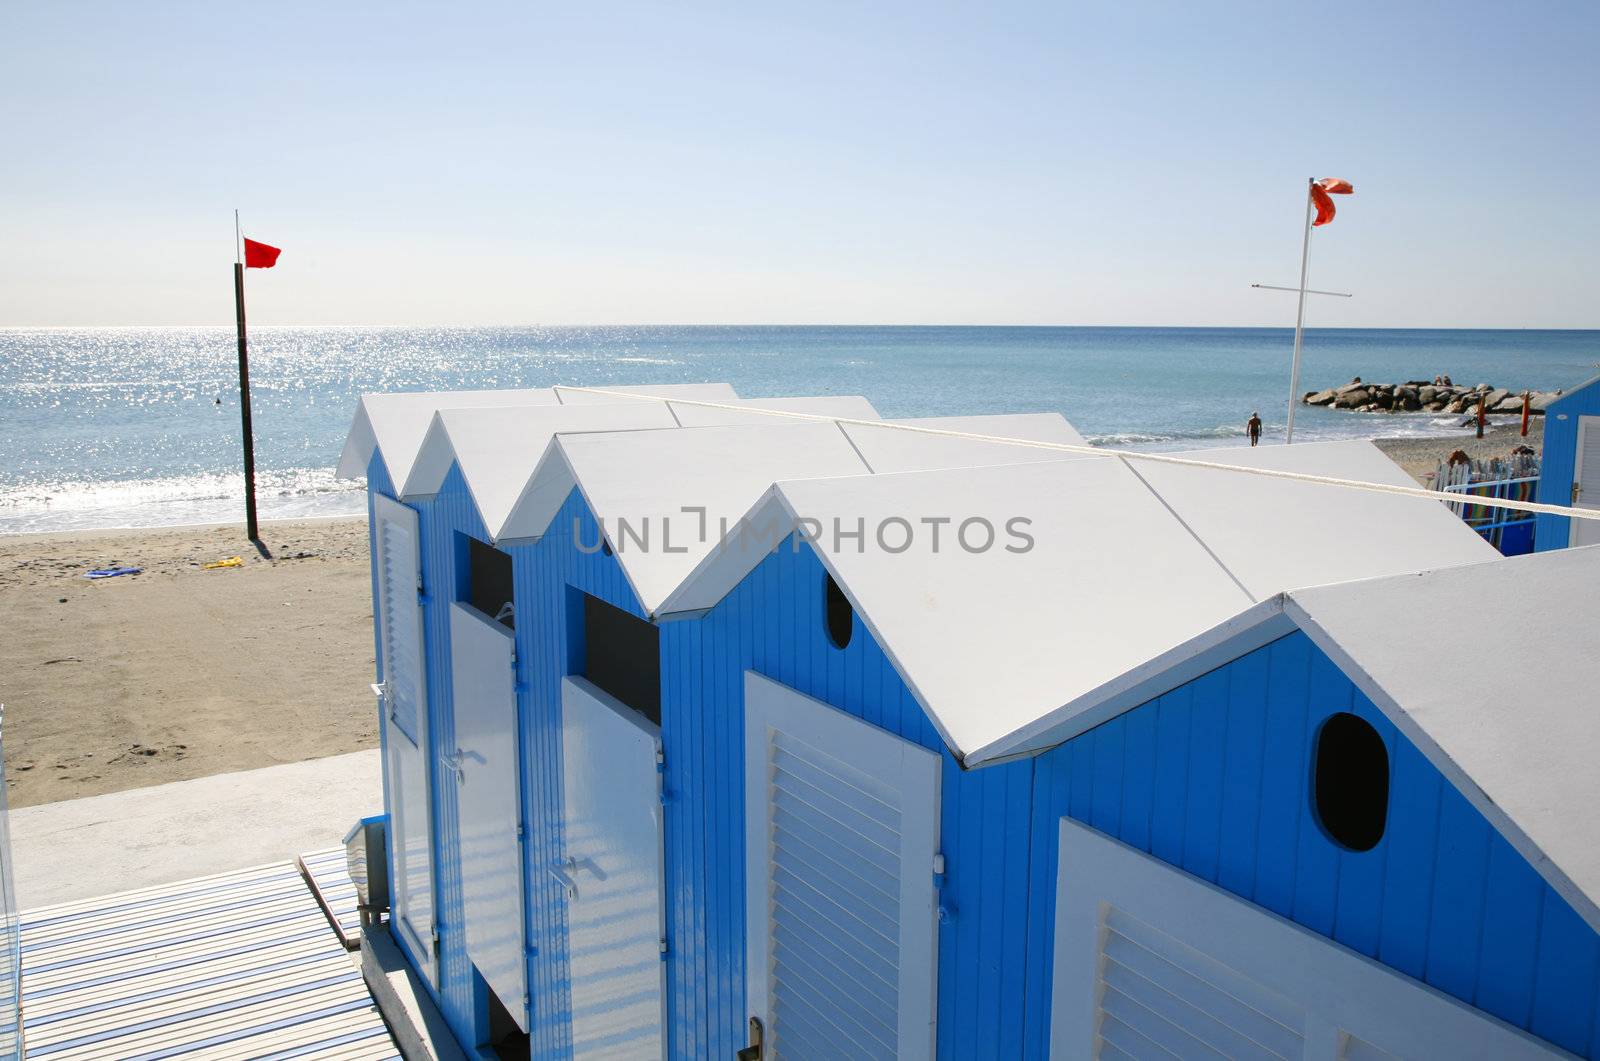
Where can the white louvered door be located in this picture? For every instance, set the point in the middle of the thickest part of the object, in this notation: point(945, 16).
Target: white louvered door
point(1586, 480)
point(841, 833)
point(404, 692)
point(1153, 963)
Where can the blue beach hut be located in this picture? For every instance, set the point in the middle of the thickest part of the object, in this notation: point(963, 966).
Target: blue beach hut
point(1569, 471)
point(812, 781)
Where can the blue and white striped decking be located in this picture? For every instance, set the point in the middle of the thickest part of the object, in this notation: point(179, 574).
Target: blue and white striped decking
point(238, 965)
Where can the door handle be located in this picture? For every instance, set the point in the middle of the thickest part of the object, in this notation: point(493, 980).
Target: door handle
point(452, 761)
point(562, 877)
point(753, 1051)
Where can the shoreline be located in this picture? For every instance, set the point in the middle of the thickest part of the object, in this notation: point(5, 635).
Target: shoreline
point(264, 524)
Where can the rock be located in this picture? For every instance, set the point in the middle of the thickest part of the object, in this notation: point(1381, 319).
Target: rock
point(1511, 403)
point(1383, 399)
point(1351, 397)
point(1496, 396)
point(1542, 400)
point(1320, 397)
point(1427, 393)
point(1408, 401)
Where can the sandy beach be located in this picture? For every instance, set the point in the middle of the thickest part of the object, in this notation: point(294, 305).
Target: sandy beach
point(179, 671)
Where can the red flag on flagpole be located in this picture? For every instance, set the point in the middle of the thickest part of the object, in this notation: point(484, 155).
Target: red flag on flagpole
point(260, 255)
point(1320, 190)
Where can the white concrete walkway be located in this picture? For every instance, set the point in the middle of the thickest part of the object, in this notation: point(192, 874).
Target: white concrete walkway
point(61, 852)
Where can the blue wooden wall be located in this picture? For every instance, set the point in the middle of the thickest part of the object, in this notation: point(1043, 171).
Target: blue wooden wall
point(1558, 461)
point(773, 623)
point(544, 574)
point(1215, 777)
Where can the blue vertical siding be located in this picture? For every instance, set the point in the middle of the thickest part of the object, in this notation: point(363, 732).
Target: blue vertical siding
point(1559, 460)
point(773, 623)
point(543, 575)
point(1214, 777)
point(439, 518)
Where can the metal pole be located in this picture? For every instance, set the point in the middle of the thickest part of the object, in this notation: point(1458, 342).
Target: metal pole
point(1299, 320)
point(244, 409)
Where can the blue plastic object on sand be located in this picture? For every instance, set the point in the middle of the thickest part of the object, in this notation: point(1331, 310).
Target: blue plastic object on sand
point(113, 572)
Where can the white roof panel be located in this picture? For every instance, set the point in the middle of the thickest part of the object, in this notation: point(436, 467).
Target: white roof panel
point(656, 482)
point(396, 423)
point(497, 449)
point(888, 450)
point(850, 406)
point(705, 392)
point(992, 640)
point(1276, 534)
point(1521, 740)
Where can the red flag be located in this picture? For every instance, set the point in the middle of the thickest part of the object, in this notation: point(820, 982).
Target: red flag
point(265, 256)
point(1320, 190)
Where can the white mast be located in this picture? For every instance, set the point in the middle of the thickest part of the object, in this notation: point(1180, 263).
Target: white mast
point(1299, 320)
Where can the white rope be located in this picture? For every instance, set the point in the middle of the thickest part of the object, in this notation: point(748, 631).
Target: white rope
point(1126, 454)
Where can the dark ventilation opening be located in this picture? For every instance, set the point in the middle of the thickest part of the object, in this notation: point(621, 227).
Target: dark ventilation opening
point(622, 655)
point(841, 617)
point(489, 587)
point(1352, 781)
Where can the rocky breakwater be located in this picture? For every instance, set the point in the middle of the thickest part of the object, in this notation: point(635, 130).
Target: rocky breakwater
point(1419, 396)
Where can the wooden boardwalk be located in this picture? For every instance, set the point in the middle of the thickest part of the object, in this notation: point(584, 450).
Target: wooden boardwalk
point(238, 965)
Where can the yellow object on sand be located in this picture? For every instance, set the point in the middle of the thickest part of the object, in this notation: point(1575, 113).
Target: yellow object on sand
point(232, 561)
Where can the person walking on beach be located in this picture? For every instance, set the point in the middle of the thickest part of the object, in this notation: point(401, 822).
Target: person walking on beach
point(1252, 428)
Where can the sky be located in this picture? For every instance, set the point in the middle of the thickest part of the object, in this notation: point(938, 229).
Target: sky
point(1058, 162)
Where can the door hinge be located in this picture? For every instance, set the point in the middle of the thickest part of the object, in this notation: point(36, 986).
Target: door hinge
point(753, 1051)
point(1577, 492)
point(662, 942)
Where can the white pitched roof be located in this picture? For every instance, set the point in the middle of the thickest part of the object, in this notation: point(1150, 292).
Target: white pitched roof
point(1137, 565)
point(397, 423)
point(888, 450)
point(653, 476)
point(1276, 534)
point(1518, 730)
point(849, 406)
point(989, 641)
point(656, 482)
point(497, 449)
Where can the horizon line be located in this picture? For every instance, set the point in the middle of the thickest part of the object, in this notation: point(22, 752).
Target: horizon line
point(230, 326)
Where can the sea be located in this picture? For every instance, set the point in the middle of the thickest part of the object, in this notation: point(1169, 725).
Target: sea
point(139, 427)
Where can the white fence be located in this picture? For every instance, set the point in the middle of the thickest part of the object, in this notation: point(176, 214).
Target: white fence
point(1514, 478)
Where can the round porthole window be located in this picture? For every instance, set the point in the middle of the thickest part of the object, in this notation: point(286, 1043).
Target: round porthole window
point(840, 617)
point(1351, 783)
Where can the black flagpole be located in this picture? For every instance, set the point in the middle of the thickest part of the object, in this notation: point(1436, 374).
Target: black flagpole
point(244, 398)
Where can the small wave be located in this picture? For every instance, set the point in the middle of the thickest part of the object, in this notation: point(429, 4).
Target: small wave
point(1141, 438)
point(298, 493)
